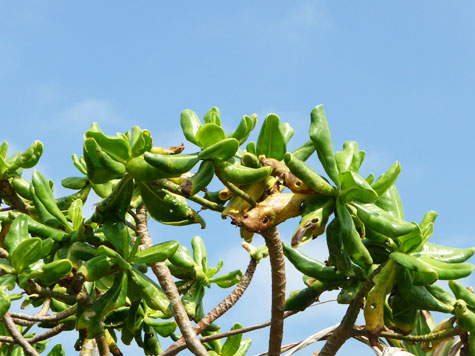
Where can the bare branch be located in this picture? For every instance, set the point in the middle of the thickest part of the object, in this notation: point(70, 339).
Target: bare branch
point(9, 195)
point(40, 337)
point(165, 279)
point(17, 337)
point(276, 256)
point(47, 318)
point(87, 347)
point(102, 345)
point(344, 331)
point(219, 310)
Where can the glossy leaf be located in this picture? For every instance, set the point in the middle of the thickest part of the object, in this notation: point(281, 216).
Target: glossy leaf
point(221, 151)
point(321, 137)
point(354, 187)
point(156, 253)
point(208, 135)
point(212, 116)
point(271, 141)
point(17, 233)
point(231, 346)
point(386, 180)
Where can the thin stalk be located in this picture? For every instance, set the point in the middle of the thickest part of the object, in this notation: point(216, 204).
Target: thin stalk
point(414, 338)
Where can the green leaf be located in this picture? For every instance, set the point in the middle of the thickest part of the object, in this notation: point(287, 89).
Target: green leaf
point(57, 350)
point(190, 124)
point(75, 213)
point(287, 131)
point(213, 116)
point(424, 273)
point(244, 129)
point(221, 151)
point(156, 253)
point(115, 146)
point(231, 346)
point(321, 137)
point(17, 233)
point(251, 147)
point(228, 280)
point(45, 195)
point(271, 142)
point(350, 158)
point(354, 187)
point(209, 134)
point(213, 270)
point(386, 180)
point(243, 347)
point(26, 253)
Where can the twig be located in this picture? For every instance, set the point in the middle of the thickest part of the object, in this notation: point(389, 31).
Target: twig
point(102, 345)
point(46, 318)
point(40, 337)
point(276, 256)
point(26, 320)
point(17, 337)
point(344, 331)
point(416, 338)
point(219, 310)
point(242, 194)
point(131, 226)
point(175, 188)
point(165, 279)
point(240, 331)
point(35, 288)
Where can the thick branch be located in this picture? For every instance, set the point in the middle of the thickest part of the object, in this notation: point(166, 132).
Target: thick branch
point(9, 195)
point(344, 331)
point(17, 337)
point(219, 310)
point(276, 256)
point(165, 279)
point(87, 347)
point(414, 338)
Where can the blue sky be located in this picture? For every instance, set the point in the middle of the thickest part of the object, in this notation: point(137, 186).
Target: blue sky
point(398, 77)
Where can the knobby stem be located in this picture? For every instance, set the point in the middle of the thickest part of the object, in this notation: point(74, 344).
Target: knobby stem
point(219, 310)
point(276, 256)
point(165, 279)
point(345, 330)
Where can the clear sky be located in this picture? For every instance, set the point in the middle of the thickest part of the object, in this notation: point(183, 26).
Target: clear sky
point(398, 77)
